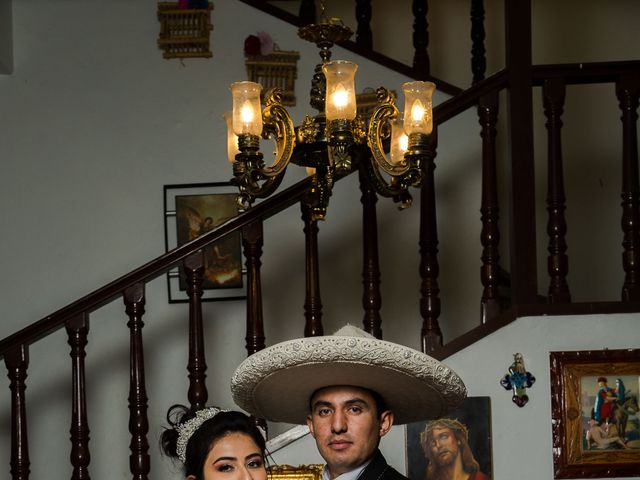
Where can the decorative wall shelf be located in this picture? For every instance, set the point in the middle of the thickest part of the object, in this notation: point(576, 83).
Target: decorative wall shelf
point(184, 33)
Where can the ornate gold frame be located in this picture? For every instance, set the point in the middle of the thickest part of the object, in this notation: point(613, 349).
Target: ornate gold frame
point(567, 370)
point(301, 472)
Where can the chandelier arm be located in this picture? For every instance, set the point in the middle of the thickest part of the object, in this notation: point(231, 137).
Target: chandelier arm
point(384, 113)
point(397, 188)
point(277, 123)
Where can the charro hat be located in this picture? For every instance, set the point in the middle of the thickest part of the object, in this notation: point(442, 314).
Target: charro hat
point(277, 383)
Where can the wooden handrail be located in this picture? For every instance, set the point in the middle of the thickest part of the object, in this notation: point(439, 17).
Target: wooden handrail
point(152, 269)
point(585, 73)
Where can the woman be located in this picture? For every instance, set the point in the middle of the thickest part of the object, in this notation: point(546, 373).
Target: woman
point(215, 444)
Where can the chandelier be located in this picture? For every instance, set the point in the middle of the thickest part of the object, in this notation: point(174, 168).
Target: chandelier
point(390, 148)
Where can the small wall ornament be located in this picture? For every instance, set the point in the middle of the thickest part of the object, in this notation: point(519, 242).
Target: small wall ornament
point(518, 380)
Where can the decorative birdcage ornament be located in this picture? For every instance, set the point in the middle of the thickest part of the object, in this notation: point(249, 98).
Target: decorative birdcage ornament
point(185, 28)
point(277, 69)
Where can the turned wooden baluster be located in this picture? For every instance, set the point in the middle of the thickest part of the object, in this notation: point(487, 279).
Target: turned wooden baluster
point(139, 463)
point(252, 244)
point(364, 37)
point(478, 60)
point(307, 12)
point(627, 90)
point(77, 331)
point(420, 39)
point(429, 268)
point(489, 210)
point(312, 301)
point(553, 92)
point(371, 298)
point(17, 362)
point(197, 366)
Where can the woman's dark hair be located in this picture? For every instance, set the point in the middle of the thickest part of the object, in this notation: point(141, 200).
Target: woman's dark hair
point(203, 438)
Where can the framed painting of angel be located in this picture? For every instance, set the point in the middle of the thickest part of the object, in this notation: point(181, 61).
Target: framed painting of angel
point(192, 210)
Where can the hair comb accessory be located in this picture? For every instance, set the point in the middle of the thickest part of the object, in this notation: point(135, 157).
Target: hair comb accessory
point(188, 428)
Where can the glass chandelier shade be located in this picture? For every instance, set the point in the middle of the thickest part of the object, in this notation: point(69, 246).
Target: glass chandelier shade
point(247, 113)
point(418, 107)
point(341, 92)
point(232, 138)
point(399, 141)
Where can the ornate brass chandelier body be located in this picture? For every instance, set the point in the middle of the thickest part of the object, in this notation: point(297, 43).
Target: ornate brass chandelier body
point(335, 141)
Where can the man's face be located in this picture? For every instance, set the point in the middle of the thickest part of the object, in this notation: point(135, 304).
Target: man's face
point(346, 426)
point(444, 446)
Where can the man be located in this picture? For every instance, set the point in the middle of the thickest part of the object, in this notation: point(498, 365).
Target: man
point(446, 445)
point(349, 389)
point(598, 435)
point(604, 404)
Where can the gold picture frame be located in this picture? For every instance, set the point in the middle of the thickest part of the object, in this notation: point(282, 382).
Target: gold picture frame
point(573, 376)
point(301, 472)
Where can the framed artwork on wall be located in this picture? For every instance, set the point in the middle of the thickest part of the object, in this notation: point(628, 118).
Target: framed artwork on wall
point(191, 210)
point(595, 413)
point(465, 433)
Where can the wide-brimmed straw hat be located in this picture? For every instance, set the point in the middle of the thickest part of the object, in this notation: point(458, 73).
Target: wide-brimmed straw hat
point(277, 383)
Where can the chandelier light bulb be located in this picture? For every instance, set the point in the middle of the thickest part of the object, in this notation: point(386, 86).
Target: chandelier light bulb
point(417, 111)
point(340, 96)
point(246, 112)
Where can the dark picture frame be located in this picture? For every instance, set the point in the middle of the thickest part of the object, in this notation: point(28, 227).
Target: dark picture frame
point(584, 435)
point(191, 210)
point(475, 415)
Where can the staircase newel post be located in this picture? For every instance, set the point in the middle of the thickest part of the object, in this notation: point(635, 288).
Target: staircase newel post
point(489, 210)
point(523, 262)
point(429, 267)
point(627, 91)
point(371, 298)
point(139, 462)
point(307, 12)
point(312, 302)
point(194, 266)
point(557, 261)
point(478, 59)
point(17, 362)
point(252, 240)
point(364, 37)
point(77, 331)
point(421, 63)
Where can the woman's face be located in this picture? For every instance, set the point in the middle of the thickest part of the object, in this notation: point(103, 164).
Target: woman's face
point(235, 457)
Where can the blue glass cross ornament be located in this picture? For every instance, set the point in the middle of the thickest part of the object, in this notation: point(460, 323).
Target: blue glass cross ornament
point(518, 380)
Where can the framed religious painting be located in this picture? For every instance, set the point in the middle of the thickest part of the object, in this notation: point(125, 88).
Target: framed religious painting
point(595, 413)
point(465, 432)
point(191, 210)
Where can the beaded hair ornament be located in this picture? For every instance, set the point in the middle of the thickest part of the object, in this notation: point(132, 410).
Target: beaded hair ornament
point(188, 428)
